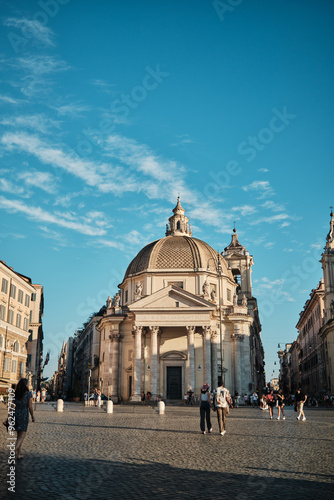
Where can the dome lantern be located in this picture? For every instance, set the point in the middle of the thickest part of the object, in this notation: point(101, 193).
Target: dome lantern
point(178, 223)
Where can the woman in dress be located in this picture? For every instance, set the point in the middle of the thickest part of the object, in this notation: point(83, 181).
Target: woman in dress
point(23, 405)
point(271, 403)
point(205, 405)
point(280, 401)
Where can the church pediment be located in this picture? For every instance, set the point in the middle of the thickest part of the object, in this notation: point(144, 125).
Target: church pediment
point(172, 297)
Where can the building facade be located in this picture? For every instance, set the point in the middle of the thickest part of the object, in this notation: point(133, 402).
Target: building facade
point(21, 333)
point(181, 319)
point(311, 356)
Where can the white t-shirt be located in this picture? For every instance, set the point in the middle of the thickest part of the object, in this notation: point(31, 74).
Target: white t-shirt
point(221, 396)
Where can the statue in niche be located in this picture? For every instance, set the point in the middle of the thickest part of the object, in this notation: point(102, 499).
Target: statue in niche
point(244, 300)
point(235, 300)
point(139, 290)
point(213, 295)
point(205, 288)
point(109, 302)
point(117, 300)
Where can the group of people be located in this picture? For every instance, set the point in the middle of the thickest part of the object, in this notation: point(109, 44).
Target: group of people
point(220, 401)
point(272, 400)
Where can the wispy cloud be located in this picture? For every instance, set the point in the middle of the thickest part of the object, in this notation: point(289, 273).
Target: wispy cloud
point(8, 187)
point(73, 109)
point(262, 187)
point(11, 100)
point(43, 180)
point(108, 88)
point(275, 207)
point(40, 215)
point(39, 122)
point(37, 31)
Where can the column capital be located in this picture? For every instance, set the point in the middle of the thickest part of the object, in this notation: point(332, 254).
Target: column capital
point(238, 337)
point(191, 329)
point(214, 335)
point(116, 336)
point(137, 330)
point(206, 329)
point(154, 329)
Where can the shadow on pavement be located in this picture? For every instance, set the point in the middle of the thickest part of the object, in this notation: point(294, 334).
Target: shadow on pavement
point(43, 477)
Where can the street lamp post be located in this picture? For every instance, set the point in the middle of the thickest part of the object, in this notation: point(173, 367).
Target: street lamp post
point(219, 272)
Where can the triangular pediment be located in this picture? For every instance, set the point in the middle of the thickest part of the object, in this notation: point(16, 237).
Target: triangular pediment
point(172, 297)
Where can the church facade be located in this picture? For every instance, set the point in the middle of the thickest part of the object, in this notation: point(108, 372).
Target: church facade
point(184, 315)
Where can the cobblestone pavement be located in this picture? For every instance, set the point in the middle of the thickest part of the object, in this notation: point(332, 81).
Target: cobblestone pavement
point(135, 453)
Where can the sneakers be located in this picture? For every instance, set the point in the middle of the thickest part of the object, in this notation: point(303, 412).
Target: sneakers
point(271, 418)
point(210, 430)
point(203, 432)
point(298, 418)
point(222, 433)
point(283, 418)
point(277, 418)
point(304, 419)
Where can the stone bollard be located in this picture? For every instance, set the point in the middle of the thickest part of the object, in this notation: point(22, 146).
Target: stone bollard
point(161, 408)
point(60, 405)
point(110, 407)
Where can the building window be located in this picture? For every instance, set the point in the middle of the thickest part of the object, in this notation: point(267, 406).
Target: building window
point(18, 320)
point(2, 312)
point(25, 324)
point(16, 346)
point(30, 317)
point(13, 291)
point(22, 368)
point(29, 360)
point(130, 355)
point(30, 336)
point(1, 341)
point(20, 297)
point(14, 366)
point(229, 295)
point(126, 296)
point(33, 297)
point(11, 316)
point(27, 300)
point(177, 304)
point(4, 286)
point(7, 364)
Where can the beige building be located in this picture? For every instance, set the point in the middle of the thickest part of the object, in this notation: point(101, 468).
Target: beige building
point(311, 356)
point(21, 335)
point(181, 319)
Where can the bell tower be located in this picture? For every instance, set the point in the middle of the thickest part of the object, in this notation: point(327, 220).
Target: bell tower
point(240, 263)
point(327, 263)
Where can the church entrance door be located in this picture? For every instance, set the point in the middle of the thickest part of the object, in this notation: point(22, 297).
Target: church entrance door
point(174, 382)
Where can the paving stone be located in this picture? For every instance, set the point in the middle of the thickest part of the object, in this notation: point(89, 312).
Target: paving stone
point(136, 453)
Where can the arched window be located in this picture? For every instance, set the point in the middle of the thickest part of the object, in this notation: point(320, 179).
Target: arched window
point(178, 225)
point(16, 346)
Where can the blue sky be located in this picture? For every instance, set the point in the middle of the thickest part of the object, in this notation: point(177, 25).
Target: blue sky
point(110, 109)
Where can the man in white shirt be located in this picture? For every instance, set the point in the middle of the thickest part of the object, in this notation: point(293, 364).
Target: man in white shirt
point(222, 397)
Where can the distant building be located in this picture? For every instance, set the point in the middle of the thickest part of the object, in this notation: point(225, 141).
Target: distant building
point(274, 384)
point(309, 361)
point(21, 333)
point(63, 379)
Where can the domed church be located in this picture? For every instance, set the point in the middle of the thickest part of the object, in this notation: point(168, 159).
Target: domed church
point(184, 315)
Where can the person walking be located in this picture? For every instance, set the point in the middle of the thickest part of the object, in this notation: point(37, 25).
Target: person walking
point(300, 400)
point(280, 402)
point(23, 405)
point(205, 406)
point(271, 403)
point(222, 404)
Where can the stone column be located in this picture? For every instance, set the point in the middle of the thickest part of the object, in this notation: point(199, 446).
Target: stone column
point(116, 337)
point(191, 358)
point(137, 330)
point(154, 359)
point(237, 338)
point(214, 357)
point(207, 355)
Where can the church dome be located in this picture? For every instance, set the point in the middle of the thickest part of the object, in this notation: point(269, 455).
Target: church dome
point(182, 253)
point(177, 251)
